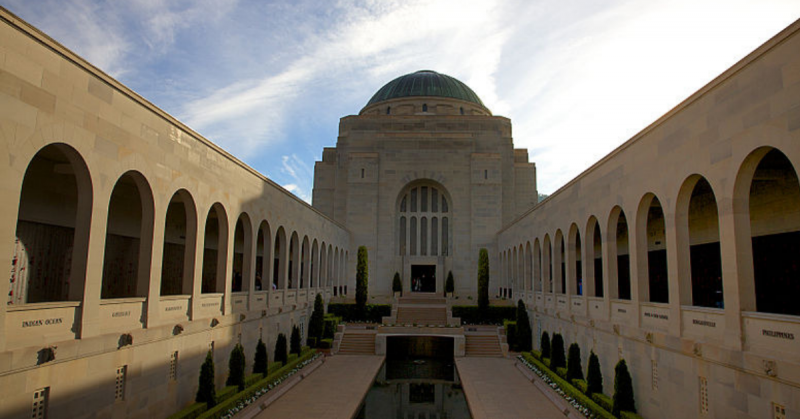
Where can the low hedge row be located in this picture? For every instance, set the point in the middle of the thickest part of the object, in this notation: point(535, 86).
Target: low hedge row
point(373, 313)
point(569, 389)
point(490, 315)
point(220, 409)
point(630, 415)
point(228, 397)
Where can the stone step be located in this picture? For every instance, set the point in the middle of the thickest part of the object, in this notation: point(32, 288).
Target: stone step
point(357, 343)
point(483, 345)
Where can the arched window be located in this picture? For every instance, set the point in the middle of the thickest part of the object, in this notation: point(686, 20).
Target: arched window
point(388, 110)
point(422, 228)
point(180, 233)
point(263, 257)
point(242, 255)
point(424, 107)
point(215, 247)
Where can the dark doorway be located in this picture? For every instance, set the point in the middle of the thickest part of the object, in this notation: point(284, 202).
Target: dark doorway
point(423, 278)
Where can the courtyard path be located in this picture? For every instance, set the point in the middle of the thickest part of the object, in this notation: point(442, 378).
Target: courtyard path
point(495, 388)
point(333, 391)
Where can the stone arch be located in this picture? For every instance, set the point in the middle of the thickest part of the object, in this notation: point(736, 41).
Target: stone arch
point(263, 257)
point(54, 216)
point(294, 261)
point(180, 236)
point(576, 259)
point(279, 262)
point(560, 264)
point(651, 250)
point(323, 265)
point(594, 259)
point(314, 268)
point(215, 250)
point(537, 270)
point(768, 237)
point(698, 244)
point(242, 254)
point(422, 207)
point(528, 266)
point(619, 265)
point(514, 271)
point(548, 264)
point(337, 289)
point(305, 263)
point(129, 238)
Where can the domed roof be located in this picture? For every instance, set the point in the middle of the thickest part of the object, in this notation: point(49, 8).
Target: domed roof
point(425, 83)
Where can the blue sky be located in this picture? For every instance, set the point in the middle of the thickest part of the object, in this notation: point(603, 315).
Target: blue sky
point(268, 81)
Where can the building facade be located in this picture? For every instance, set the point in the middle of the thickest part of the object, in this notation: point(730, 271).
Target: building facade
point(135, 245)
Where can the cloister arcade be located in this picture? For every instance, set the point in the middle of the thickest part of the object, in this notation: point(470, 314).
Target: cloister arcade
point(766, 200)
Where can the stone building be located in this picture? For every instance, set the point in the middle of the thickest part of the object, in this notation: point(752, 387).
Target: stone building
point(424, 176)
point(134, 245)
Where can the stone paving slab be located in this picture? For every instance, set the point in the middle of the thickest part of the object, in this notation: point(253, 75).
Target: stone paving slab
point(334, 391)
point(495, 388)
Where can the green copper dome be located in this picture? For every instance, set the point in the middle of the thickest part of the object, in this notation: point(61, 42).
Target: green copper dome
point(425, 83)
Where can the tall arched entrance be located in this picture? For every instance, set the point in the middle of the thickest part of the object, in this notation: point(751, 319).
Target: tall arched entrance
point(423, 236)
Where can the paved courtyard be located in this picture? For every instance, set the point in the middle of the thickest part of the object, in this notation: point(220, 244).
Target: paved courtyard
point(333, 391)
point(496, 389)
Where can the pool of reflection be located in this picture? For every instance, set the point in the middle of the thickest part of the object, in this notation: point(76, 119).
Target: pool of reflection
point(416, 388)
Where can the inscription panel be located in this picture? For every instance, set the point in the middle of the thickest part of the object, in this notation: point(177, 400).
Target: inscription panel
point(123, 314)
point(38, 324)
point(655, 316)
point(707, 324)
point(622, 312)
point(597, 308)
point(175, 308)
point(772, 332)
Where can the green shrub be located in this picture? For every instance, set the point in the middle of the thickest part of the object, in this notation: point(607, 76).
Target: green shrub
point(510, 327)
point(580, 384)
point(252, 379)
point(205, 390)
point(397, 284)
point(570, 391)
point(260, 361)
point(326, 344)
point(536, 354)
point(594, 378)
point(562, 372)
point(329, 329)
point(604, 401)
point(362, 278)
point(574, 368)
point(630, 415)
point(623, 389)
point(226, 393)
point(294, 341)
point(544, 345)
point(280, 349)
point(557, 357)
point(483, 279)
point(317, 323)
point(236, 366)
point(292, 358)
point(490, 315)
point(546, 361)
point(524, 333)
point(275, 366)
point(222, 407)
point(373, 313)
point(449, 284)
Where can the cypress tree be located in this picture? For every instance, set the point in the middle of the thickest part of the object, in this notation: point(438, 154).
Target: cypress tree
point(623, 390)
point(574, 369)
point(594, 378)
point(524, 333)
point(362, 278)
point(260, 361)
point(317, 322)
point(397, 284)
point(294, 341)
point(280, 349)
point(557, 360)
point(483, 280)
point(236, 365)
point(205, 390)
point(544, 344)
point(449, 285)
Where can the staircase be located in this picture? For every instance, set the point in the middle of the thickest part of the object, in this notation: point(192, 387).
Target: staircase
point(483, 344)
point(357, 342)
point(421, 310)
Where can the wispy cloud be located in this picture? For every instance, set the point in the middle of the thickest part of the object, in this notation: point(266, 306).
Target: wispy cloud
point(301, 175)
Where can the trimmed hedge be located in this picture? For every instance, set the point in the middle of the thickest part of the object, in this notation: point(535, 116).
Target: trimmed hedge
point(326, 344)
point(630, 415)
point(252, 379)
point(190, 412)
point(510, 327)
point(603, 401)
point(329, 329)
point(491, 315)
point(222, 407)
point(536, 354)
point(580, 384)
point(562, 372)
point(569, 389)
point(373, 313)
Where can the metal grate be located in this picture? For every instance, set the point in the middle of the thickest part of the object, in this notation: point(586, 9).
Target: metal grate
point(654, 368)
point(703, 396)
point(41, 397)
point(119, 384)
point(173, 366)
point(778, 411)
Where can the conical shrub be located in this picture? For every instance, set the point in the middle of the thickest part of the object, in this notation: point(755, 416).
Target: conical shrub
point(524, 333)
point(574, 369)
point(280, 354)
point(294, 341)
point(205, 390)
point(557, 358)
point(236, 365)
point(594, 378)
point(623, 390)
point(317, 322)
point(260, 361)
point(544, 344)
